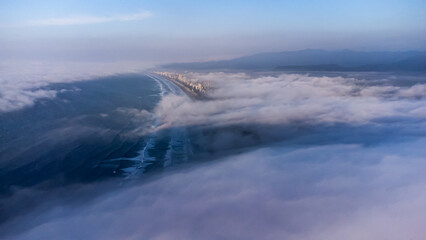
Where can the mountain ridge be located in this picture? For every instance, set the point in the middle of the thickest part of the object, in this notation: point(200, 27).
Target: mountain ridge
point(307, 57)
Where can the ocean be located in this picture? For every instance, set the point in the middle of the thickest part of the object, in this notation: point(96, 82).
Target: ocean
point(134, 155)
point(92, 130)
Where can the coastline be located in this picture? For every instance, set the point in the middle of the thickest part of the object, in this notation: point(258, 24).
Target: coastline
point(188, 91)
point(195, 95)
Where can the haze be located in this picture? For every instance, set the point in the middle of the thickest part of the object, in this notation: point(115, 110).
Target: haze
point(228, 119)
point(164, 31)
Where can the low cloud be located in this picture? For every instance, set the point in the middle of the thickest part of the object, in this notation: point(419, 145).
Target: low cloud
point(79, 20)
point(357, 173)
point(330, 192)
point(23, 83)
point(289, 98)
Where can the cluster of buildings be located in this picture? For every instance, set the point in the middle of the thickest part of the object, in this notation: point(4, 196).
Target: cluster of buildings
point(193, 85)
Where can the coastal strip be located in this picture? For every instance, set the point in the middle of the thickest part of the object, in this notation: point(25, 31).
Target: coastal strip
point(195, 89)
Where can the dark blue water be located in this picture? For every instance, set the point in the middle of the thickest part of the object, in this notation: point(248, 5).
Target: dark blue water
point(106, 128)
point(91, 131)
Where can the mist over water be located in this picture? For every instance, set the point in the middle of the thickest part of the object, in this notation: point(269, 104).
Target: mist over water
point(265, 155)
point(164, 120)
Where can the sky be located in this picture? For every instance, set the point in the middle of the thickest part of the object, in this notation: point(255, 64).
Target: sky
point(164, 30)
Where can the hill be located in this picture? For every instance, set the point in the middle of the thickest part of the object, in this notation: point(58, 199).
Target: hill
point(307, 58)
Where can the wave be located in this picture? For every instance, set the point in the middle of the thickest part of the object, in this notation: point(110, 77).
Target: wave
point(162, 148)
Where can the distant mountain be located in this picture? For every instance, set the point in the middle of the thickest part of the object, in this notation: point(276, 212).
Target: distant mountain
point(416, 63)
point(306, 58)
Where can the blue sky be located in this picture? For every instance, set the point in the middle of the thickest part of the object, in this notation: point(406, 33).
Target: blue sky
point(205, 29)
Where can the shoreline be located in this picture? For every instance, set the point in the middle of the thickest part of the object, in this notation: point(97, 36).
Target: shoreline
point(193, 95)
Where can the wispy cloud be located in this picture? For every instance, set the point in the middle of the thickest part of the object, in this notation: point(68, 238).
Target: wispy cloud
point(22, 82)
point(78, 20)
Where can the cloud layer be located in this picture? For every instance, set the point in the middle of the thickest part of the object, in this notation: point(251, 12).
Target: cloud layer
point(90, 19)
point(23, 83)
point(324, 187)
point(331, 192)
point(288, 98)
